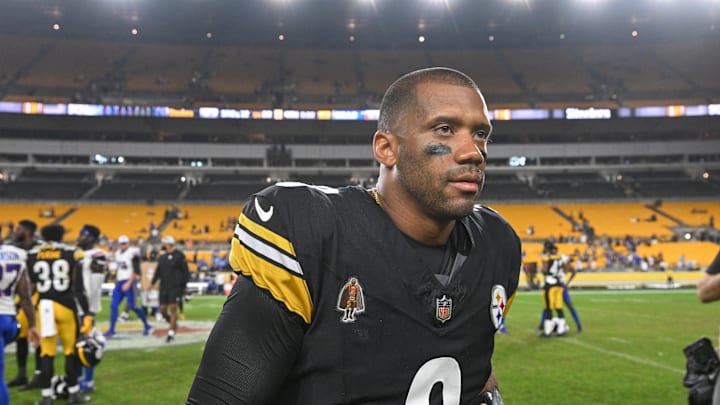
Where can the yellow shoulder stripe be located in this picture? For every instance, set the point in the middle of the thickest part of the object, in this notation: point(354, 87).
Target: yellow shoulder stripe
point(509, 303)
point(268, 235)
point(284, 284)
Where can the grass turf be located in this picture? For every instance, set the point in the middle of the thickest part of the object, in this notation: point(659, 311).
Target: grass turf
point(629, 352)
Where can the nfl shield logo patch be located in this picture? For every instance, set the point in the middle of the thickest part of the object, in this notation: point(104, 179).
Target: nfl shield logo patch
point(498, 303)
point(443, 308)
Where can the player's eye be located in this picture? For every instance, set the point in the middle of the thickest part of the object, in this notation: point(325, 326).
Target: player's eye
point(481, 135)
point(444, 130)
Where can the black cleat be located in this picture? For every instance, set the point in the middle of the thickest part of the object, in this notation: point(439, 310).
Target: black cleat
point(34, 384)
point(78, 398)
point(18, 381)
point(170, 339)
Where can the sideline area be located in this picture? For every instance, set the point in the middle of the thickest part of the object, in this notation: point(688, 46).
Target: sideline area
point(129, 335)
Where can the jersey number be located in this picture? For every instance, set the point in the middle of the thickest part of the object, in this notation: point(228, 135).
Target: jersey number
point(444, 370)
point(59, 280)
point(8, 278)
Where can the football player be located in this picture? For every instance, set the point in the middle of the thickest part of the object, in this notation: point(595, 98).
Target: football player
point(93, 271)
point(127, 259)
point(13, 279)
point(56, 274)
point(431, 265)
point(24, 238)
point(554, 267)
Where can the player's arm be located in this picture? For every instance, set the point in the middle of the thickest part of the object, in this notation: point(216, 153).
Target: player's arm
point(135, 275)
point(79, 289)
point(259, 333)
point(708, 288)
point(242, 364)
point(156, 275)
point(491, 393)
point(98, 263)
point(23, 290)
point(184, 270)
point(567, 268)
point(544, 264)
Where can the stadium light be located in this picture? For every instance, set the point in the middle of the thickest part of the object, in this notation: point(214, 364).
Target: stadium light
point(421, 39)
point(281, 37)
point(134, 31)
point(56, 27)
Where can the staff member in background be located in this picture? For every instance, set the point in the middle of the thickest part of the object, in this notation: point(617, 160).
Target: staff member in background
point(173, 274)
point(708, 290)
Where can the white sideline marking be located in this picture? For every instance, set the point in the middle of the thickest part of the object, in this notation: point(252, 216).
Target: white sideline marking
point(623, 355)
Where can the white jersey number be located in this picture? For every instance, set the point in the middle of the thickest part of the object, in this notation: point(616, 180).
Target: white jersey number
point(445, 370)
point(8, 278)
point(59, 280)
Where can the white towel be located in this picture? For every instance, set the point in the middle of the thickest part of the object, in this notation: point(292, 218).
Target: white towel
point(47, 318)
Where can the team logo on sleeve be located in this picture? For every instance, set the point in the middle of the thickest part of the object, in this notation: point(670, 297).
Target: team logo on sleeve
point(443, 308)
point(351, 300)
point(498, 303)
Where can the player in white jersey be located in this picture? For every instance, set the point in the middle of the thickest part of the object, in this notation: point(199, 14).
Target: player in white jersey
point(13, 278)
point(127, 259)
point(93, 269)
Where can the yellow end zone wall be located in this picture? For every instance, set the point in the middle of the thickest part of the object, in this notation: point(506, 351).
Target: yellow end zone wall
point(631, 278)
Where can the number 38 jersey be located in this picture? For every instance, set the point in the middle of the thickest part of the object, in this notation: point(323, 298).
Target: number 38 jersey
point(52, 267)
point(380, 327)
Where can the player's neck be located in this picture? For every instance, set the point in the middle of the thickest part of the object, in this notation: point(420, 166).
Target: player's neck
point(411, 220)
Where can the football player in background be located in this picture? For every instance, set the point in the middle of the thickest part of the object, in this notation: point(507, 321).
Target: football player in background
point(565, 296)
point(56, 275)
point(127, 259)
point(434, 270)
point(93, 271)
point(554, 267)
point(13, 279)
point(24, 238)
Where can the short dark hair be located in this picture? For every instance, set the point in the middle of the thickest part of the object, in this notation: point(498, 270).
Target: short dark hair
point(402, 93)
point(52, 233)
point(29, 225)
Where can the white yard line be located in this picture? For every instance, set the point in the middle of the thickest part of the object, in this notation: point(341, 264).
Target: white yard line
point(622, 355)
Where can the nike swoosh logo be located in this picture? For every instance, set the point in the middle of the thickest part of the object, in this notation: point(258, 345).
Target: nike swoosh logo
point(264, 215)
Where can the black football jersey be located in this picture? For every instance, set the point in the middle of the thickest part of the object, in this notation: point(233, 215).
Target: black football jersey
point(52, 269)
point(380, 327)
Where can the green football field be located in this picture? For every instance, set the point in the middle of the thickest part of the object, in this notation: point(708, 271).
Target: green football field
point(630, 352)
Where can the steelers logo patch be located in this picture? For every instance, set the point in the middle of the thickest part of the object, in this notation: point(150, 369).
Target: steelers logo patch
point(498, 303)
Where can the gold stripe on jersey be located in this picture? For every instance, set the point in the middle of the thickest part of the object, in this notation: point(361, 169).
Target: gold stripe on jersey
point(270, 267)
point(509, 303)
point(270, 236)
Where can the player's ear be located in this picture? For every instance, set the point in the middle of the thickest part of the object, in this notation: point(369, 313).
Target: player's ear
point(385, 148)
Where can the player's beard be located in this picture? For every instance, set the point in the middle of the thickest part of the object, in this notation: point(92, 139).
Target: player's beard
point(427, 188)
